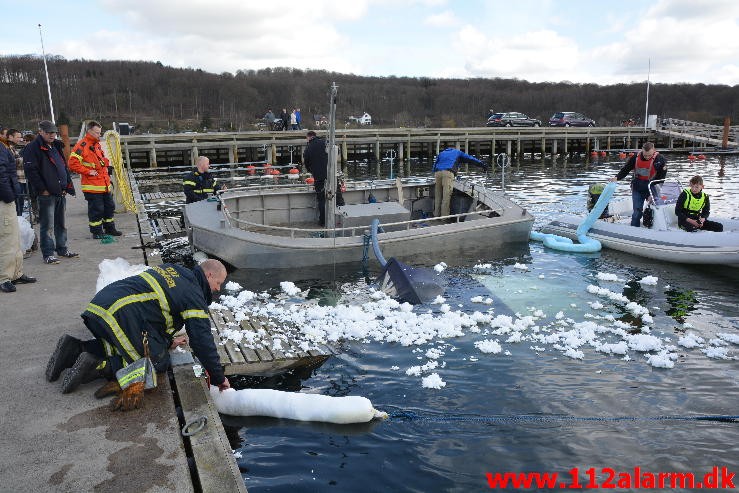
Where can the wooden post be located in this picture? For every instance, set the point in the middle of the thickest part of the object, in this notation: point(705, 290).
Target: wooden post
point(725, 139)
point(194, 152)
point(64, 134)
point(128, 156)
point(438, 144)
point(400, 154)
point(543, 148)
point(554, 149)
point(153, 155)
point(377, 148)
point(273, 154)
point(608, 143)
point(518, 149)
point(566, 145)
point(509, 145)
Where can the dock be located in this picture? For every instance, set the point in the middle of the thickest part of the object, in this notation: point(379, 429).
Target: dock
point(72, 442)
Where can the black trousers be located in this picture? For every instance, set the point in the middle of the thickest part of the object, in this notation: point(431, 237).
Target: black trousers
point(100, 211)
point(318, 186)
point(714, 226)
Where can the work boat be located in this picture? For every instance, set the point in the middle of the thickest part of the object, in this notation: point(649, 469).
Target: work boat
point(274, 227)
point(664, 240)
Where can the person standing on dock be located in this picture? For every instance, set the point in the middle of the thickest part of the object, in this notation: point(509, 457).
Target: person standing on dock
point(315, 158)
point(88, 160)
point(445, 170)
point(285, 117)
point(11, 254)
point(127, 315)
point(647, 165)
point(199, 184)
point(47, 173)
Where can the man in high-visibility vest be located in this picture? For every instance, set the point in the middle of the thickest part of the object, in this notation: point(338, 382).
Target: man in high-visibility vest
point(88, 160)
point(137, 313)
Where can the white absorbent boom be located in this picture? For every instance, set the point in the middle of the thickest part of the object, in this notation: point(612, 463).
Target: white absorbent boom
point(294, 405)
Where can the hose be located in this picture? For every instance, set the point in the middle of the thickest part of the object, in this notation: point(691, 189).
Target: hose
point(376, 244)
point(113, 143)
point(586, 245)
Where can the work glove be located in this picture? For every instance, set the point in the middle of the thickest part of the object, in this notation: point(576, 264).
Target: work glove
point(110, 388)
point(129, 399)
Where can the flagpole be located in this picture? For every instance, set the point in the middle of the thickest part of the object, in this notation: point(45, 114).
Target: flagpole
point(646, 107)
point(46, 69)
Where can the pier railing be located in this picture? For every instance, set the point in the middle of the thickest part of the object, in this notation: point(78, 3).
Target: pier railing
point(699, 133)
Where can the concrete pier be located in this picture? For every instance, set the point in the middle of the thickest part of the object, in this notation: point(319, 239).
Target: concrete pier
point(73, 443)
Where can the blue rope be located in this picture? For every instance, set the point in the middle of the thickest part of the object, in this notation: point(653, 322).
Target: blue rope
point(551, 418)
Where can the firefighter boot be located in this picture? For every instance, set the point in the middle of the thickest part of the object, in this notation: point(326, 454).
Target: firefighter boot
point(85, 370)
point(66, 353)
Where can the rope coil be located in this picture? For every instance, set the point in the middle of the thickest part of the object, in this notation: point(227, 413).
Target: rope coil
point(113, 144)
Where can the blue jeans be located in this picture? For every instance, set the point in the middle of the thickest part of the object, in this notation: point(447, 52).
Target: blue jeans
point(637, 200)
point(53, 230)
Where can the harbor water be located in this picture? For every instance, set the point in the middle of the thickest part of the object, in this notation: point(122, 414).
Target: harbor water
point(529, 407)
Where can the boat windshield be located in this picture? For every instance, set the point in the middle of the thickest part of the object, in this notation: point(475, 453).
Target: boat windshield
point(666, 192)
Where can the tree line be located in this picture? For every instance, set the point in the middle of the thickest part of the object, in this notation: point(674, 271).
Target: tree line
point(158, 98)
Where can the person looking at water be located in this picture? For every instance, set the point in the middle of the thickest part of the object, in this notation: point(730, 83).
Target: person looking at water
point(199, 184)
point(315, 159)
point(693, 208)
point(647, 165)
point(445, 169)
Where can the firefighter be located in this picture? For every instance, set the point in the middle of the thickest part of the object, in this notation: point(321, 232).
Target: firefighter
point(199, 183)
point(88, 160)
point(152, 307)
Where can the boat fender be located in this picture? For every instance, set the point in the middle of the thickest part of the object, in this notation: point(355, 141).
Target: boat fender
point(295, 405)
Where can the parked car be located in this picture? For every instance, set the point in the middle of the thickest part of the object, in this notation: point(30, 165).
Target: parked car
point(512, 119)
point(570, 119)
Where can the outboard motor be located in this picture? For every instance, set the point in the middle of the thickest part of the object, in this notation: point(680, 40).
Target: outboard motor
point(593, 195)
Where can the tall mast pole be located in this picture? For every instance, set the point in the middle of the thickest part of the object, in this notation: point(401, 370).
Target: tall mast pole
point(646, 107)
point(330, 184)
point(46, 69)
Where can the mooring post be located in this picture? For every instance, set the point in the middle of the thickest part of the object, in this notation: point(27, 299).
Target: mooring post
point(273, 154)
point(377, 148)
point(153, 155)
point(725, 139)
point(194, 152)
point(344, 153)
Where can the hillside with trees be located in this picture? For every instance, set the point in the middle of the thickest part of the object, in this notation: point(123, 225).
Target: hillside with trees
point(157, 98)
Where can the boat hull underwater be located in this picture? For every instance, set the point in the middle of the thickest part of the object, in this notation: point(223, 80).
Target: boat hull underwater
point(663, 241)
point(276, 227)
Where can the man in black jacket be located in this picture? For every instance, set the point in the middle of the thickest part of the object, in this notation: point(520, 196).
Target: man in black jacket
point(315, 159)
point(153, 305)
point(47, 173)
point(199, 184)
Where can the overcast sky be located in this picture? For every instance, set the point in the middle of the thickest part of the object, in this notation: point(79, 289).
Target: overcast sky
point(604, 42)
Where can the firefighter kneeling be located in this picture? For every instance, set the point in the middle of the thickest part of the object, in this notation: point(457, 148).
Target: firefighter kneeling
point(134, 321)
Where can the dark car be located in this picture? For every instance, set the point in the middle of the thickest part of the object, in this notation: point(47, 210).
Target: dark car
point(512, 119)
point(570, 119)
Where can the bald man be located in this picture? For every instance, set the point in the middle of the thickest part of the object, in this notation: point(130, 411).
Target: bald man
point(199, 184)
point(153, 305)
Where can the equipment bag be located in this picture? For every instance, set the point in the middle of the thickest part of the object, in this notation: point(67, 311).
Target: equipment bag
point(141, 370)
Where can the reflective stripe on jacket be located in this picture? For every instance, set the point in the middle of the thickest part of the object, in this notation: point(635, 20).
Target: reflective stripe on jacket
point(198, 186)
point(86, 156)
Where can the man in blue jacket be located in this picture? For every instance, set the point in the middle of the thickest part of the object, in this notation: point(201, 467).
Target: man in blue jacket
point(153, 305)
point(445, 169)
point(47, 173)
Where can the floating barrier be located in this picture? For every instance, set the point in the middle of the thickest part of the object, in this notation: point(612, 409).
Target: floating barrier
point(294, 405)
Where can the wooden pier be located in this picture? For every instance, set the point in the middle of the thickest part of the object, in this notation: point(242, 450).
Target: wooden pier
point(264, 357)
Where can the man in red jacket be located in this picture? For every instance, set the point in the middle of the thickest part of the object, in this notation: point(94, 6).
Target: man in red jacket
point(88, 160)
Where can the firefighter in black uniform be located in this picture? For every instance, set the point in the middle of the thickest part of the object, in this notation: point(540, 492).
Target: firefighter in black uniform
point(199, 184)
point(154, 304)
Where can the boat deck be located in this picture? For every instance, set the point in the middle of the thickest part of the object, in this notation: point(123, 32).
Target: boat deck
point(264, 358)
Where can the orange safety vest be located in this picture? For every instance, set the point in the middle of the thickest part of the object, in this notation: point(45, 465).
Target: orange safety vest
point(87, 155)
point(644, 168)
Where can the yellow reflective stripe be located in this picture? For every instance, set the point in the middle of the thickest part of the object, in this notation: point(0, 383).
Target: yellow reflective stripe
point(108, 348)
point(94, 188)
point(186, 182)
point(120, 336)
point(163, 304)
point(88, 164)
point(206, 189)
point(108, 220)
point(133, 298)
point(137, 374)
point(194, 314)
point(78, 156)
point(95, 223)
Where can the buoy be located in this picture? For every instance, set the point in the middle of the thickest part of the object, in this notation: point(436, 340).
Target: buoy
point(701, 157)
point(251, 169)
point(691, 157)
point(631, 154)
point(594, 153)
point(275, 172)
point(293, 174)
point(602, 153)
point(310, 180)
point(622, 155)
